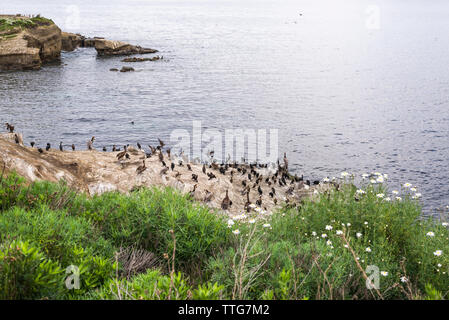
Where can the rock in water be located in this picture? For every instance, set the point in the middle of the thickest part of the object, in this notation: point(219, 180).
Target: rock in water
point(126, 69)
point(113, 48)
point(141, 59)
point(71, 41)
point(26, 43)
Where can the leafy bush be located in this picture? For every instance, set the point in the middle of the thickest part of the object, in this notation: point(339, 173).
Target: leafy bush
point(25, 272)
point(149, 286)
point(323, 249)
point(144, 218)
point(54, 232)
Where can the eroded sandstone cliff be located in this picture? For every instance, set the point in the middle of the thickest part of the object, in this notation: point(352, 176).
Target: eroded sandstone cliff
point(26, 43)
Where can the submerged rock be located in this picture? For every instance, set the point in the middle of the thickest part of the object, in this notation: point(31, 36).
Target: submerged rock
point(142, 59)
point(126, 69)
point(112, 48)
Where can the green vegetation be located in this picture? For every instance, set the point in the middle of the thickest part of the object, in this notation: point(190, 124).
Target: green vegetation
point(20, 22)
point(159, 244)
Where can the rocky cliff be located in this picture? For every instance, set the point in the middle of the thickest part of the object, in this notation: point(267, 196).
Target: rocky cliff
point(26, 43)
point(95, 172)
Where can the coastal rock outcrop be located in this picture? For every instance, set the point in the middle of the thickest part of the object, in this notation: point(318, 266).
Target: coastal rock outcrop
point(114, 48)
point(28, 43)
point(126, 69)
point(95, 172)
point(71, 41)
point(136, 59)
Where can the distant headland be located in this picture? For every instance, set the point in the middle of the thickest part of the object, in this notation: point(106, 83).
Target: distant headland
point(28, 42)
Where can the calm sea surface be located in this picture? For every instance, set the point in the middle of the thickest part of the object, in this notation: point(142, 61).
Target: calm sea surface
point(351, 85)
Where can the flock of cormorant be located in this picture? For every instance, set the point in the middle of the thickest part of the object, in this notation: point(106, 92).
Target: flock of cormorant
point(251, 179)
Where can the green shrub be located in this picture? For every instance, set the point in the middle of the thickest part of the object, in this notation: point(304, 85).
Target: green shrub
point(25, 272)
point(144, 218)
point(149, 286)
point(54, 232)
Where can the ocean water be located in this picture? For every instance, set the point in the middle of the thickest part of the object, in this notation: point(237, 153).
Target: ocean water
point(351, 85)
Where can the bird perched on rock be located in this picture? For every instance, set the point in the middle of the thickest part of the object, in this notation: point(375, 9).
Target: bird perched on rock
point(9, 127)
point(208, 196)
point(161, 156)
point(139, 146)
point(195, 177)
point(204, 168)
point(189, 167)
point(60, 146)
point(168, 153)
point(192, 192)
point(104, 149)
point(172, 166)
point(16, 138)
point(211, 175)
point(285, 161)
point(153, 150)
point(226, 203)
point(32, 144)
point(40, 150)
point(114, 148)
point(48, 147)
point(73, 147)
point(141, 168)
point(122, 154)
point(247, 203)
point(90, 143)
point(161, 143)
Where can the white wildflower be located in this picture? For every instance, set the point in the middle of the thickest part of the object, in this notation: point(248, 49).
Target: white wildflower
point(236, 231)
point(438, 253)
point(384, 273)
point(368, 249)
point(430, 234)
